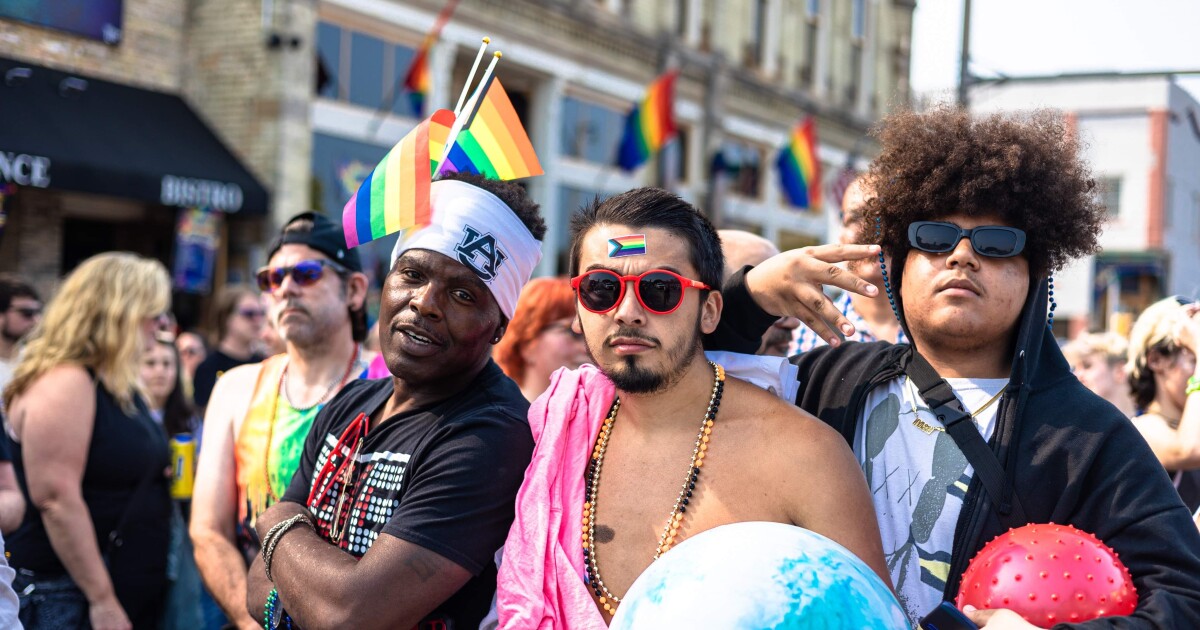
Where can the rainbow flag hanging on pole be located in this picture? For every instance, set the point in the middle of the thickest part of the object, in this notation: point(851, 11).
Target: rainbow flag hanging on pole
point(492, 142)
point(650, 124)
point(417, 81)
point(395, 195)
point(799, 168)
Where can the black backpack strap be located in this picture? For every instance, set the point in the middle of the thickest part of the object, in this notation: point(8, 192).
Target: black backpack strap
point(940, 397)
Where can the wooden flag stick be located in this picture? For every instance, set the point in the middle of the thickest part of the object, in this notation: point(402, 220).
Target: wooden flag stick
point(467, 86)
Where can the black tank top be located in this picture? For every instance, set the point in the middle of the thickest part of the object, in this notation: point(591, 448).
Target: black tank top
point(125, 449)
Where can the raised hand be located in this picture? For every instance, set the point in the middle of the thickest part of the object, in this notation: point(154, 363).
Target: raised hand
point(790, 284)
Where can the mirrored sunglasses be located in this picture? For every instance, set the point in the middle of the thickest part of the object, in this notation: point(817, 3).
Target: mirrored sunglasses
point(304, 273)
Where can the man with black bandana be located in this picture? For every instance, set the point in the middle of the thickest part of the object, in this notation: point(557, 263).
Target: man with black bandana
point(406, 485)
point(976, 214)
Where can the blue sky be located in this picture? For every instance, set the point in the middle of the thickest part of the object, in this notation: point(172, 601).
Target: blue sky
point(1037, 37)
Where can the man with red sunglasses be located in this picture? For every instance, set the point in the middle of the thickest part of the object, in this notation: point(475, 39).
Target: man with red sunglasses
point(978, 425)
point(644, 267)
point(259, 414)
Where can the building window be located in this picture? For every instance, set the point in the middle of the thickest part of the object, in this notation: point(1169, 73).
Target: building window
point(366, 70)
point(361, 69)
point(681, 18)
point(741, 164)
point(1110, 196)
point(590, 131)
point(811, 35)
point(329, 59)
point(858, 19)
point(758, 44)
point(675, 156)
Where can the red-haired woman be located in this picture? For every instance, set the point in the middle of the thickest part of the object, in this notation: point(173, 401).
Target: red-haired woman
point(540, 338)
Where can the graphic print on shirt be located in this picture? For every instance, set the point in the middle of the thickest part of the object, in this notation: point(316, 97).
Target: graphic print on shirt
point(370, 500)
point(911, 494)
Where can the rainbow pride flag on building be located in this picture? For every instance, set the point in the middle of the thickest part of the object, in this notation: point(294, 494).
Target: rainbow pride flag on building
point(492, 141)
point(799, 168)
point(417, 81)
point(650, 124)
point(395, 195)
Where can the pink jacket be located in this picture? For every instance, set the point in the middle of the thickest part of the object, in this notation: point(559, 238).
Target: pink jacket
point(541, 578)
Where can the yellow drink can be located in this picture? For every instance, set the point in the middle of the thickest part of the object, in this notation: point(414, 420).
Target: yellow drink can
point(183, 463)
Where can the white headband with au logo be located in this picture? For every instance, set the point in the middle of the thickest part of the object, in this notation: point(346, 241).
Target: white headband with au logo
point(476, 228)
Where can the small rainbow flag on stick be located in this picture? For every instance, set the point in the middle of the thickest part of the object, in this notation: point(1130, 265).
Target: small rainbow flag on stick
point(492, 142)
point(632, 245)
point(799, 168)
point(650, 124)
point(395, 195)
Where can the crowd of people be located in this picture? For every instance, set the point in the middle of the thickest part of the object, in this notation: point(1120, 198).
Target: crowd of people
point(498, 451)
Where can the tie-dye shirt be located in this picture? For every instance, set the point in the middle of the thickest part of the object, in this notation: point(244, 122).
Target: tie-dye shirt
point(264, 471)
point(918, 481)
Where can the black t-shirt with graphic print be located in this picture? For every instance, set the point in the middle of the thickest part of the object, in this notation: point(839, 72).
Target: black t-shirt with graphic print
point(444, 477)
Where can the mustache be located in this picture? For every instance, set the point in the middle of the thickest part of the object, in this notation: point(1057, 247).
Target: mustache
point(292, 305)
point(631, 333)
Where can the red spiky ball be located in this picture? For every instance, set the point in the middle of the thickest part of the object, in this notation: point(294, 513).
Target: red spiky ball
point(1049, 574)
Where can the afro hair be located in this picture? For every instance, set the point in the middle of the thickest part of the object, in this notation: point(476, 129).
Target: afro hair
point(1024, 169)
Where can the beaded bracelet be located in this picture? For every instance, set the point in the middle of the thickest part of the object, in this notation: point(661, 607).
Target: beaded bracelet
point(273, 615)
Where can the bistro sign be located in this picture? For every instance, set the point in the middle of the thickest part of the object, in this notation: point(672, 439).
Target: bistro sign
point(23, 169)
point(189, 192)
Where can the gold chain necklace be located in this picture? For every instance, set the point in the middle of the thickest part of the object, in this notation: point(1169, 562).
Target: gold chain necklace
point(674, 520)
point(930, 428)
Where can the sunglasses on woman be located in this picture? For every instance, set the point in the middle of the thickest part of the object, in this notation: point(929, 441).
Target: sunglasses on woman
point(304, 273)
point(994, 241)
point(659, 291)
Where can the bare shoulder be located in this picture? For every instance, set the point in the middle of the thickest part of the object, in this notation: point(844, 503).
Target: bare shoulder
point(231, 395)
point(772, 418)
point(59, 392)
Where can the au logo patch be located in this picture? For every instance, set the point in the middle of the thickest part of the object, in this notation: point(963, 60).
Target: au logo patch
point(480, 252)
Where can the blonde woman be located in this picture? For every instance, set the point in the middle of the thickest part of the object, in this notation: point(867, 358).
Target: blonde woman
point(1165, 383)
point(90, 459)
point(1098, 361)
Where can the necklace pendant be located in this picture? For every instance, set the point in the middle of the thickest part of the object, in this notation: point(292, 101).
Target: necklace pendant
point(925, 426)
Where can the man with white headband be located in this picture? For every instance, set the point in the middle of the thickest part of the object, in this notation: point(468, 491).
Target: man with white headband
point(406, 486)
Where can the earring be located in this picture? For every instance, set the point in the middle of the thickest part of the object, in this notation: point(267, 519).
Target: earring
point(496, 339)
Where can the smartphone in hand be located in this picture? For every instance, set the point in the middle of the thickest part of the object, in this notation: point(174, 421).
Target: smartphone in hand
point(947, 617)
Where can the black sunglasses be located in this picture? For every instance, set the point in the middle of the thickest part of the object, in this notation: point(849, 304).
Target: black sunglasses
point(938, 237)
point(304, 273)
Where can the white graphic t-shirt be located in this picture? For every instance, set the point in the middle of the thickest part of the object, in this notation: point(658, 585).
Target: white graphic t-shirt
point(918, 478)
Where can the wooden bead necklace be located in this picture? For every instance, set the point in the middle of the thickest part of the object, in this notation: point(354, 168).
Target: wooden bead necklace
point(674, 521)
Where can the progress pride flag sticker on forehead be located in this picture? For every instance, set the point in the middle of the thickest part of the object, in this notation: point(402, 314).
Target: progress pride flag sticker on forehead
point(632, 245)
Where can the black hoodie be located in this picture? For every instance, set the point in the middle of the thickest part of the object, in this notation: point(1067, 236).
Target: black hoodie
point(1071, 456)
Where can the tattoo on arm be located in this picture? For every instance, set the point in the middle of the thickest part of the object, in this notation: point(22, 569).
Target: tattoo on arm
point(423, 566)
point(604, 534)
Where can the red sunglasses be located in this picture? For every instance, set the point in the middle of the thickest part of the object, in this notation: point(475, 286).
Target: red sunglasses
point(658, 290)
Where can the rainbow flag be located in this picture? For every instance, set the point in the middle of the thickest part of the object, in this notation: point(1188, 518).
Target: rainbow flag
point(417, 81)
point(395, 195)
point(632, 245)
point(492, 141)
point(650, 124)
point(799, 168)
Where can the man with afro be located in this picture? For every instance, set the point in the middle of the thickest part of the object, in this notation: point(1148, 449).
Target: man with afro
point(977, 214)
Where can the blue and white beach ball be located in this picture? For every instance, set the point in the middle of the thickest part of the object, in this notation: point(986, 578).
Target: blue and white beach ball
point(759, 575)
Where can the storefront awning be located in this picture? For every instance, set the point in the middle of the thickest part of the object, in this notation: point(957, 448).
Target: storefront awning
point(71, 132)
